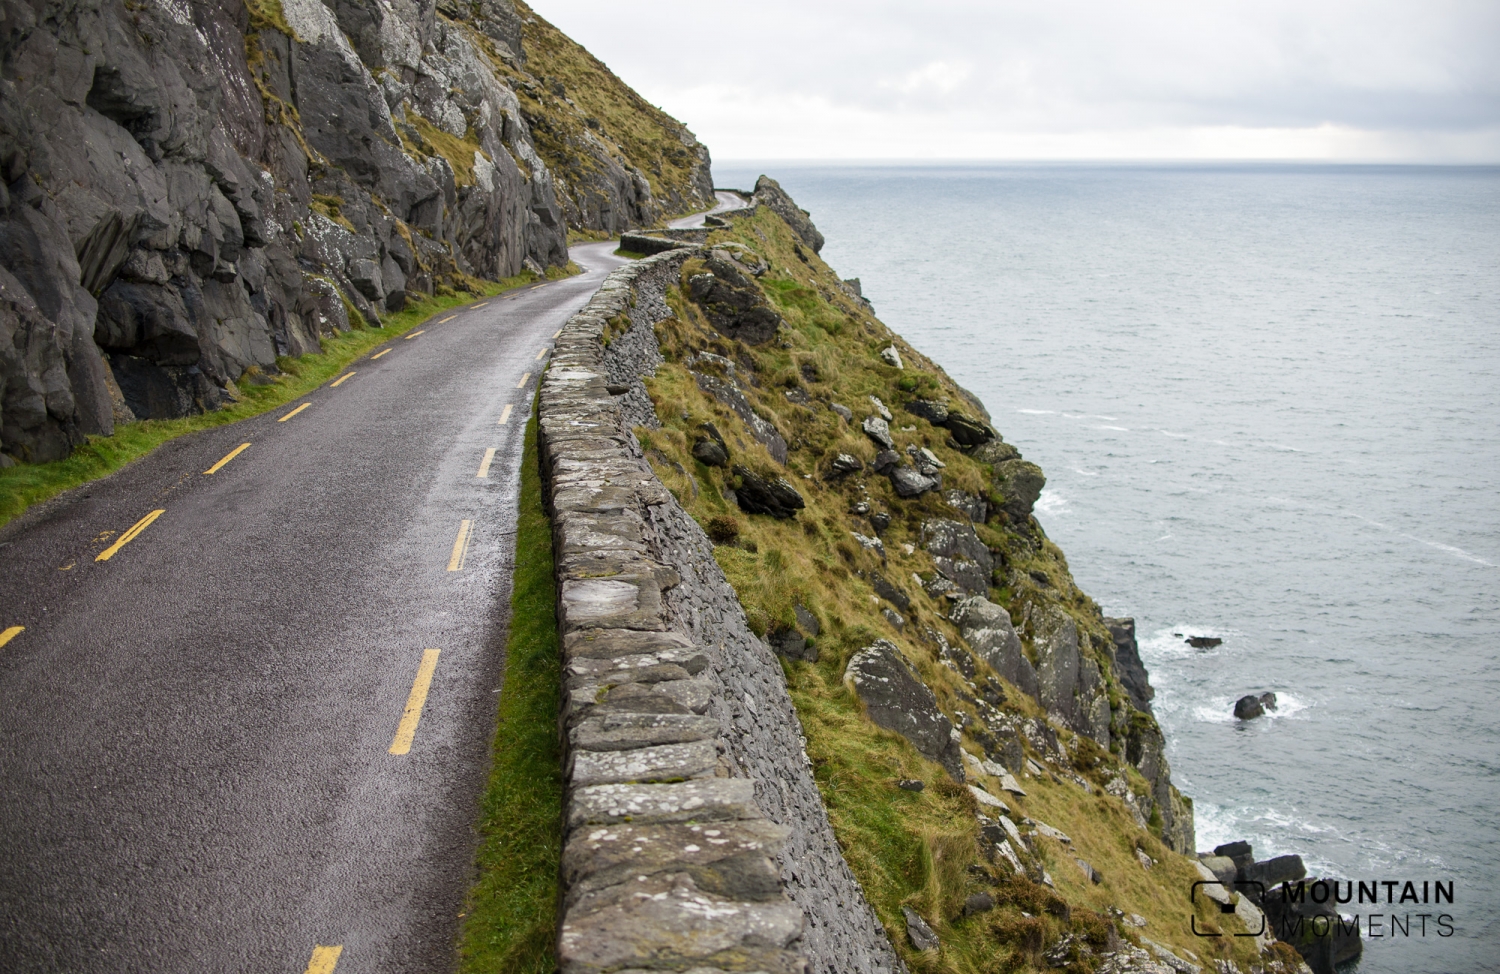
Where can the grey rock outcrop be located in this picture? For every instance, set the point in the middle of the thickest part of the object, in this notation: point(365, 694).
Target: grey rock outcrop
point(768, 193)
point(1129, 669)
point(719, 377)
point(896, 699)
point(732, 303)
point(958, 554)
point(1069, 684)
point(1146, 749)
point(987, 628)
point(766, 495)
point(1021, 481)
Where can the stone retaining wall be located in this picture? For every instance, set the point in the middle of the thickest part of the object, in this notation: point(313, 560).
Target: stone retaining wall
point(695, 837)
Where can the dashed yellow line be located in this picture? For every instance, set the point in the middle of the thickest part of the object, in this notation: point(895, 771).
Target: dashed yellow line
point(539, 355)
point(534, 288)
point(415, 334)
point(414, 703)
point(461, 546)
point(340, 380)
point(129, 536)
point(522, 383)
point(230, 456)
point(484, 465)
point(555, 334)
point(10, 634)
point(479, 305)
point(505, 414)
point(294, 412)
point(324, 959)
point(383, 351)
point(447, 319)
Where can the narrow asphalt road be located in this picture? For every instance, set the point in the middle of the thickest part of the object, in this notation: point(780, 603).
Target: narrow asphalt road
point(202, 734)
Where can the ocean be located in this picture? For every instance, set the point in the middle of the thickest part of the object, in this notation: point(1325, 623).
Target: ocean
point(1267, 401)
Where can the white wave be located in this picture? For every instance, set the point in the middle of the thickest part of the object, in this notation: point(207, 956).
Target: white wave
point(1175, 436)
point(1084, 473)
point(1120, 429)
point(1108, 419)
point(1451, 549)
point(1052, 503)
point(1220, 709)
point(1037, 412)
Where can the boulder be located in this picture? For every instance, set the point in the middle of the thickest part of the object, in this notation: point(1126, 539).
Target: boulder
point(711, 452)
point(728, 391)
point(987, 628)
point(1268, 701)
point(934, 412)
point(1223, 869)
point(1248, 707)
point(806, 621)
point(974, 508)
point(889, 592)
point(909, 482)
point(1274, 872)
point(958, 554)
point(978, 903)
point(842, 465)
point(843, 411)
point(733, 303)
point(1021, 482)
point(1204, 642)
point(896, 699)
point(879, 431)
point(881, 410)
point(967, 432)
point(995, 452)
point(891, 356)
point(885, 461)
point(762, 495)
point(917, 930)
point(768, 193)
point(791, 644)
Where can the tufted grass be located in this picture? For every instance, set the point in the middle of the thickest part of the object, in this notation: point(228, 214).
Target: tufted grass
point(26, 484)
point(510, 919)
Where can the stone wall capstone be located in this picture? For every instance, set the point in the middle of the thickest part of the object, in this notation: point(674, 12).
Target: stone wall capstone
point(695, 836)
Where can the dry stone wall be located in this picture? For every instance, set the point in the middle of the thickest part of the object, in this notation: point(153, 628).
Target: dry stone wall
point(695, 835)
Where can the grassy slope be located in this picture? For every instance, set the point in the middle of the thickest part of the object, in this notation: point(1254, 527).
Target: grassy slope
point(906, 848)
point(511, 915)
point(26, 484)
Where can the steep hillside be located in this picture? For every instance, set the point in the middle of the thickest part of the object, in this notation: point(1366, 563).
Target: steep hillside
point(194, 191)
point(980, 732)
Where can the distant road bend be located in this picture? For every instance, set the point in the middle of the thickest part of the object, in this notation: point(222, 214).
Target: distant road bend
point(247, 685)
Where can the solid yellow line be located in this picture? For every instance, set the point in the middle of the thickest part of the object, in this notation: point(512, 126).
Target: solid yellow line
point(539, 285)
point(461, 546)
point(505, 414)
point(539, 355)
point(522, 383)
point(231, 455)
point(130, 535)
point(479, 305)
point(556, 333)
point(294, 412)
point(484, 465)
point(383, 351)
point(10, 634)
point(323, 959)
point(415, 334)
point(414, 703)
point(340, 380)
point(447, 319)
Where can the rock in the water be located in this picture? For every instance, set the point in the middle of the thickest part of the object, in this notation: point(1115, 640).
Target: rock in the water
point(1248, 707)
point(1021, 482)
point(934, 412)
point(878, 430)
point(1273, 872)
point(891, 356)
point(1268, 701)
point(762, 495)
point(922, 936)
point(1204, 642)
point(711, 452)
point(958, 554)
point(896, 699)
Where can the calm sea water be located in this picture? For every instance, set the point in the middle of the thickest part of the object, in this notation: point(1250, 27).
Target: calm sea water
point(1267, 400)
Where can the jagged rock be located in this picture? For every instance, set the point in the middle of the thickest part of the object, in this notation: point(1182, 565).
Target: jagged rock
point(1021, 482)
point(995, 452)
point(896, 699)
point(1127, 665)
point(987, 628)
point(769, 194)
point(1089, 871)
point(958, 554)
point(880, 521)
point(711, 452)
point(1146, 750)
point(733, 304)
point(1204, 642)
point(1222, 868)
point(728, 392)
point(885, 461)
point(1251, 706)
point(891, 356)
point(967, 432)
point(762, 495)
point(1069, 684)
point(927, 461)
point(879, 431)
point(911, 784)
point(842, 465)
point(976, 509)
point(935, 413)
point(889, 592)
point(791, 644)
point(908, 482)
point(894, 618)
point(881, 410)
point(1273, 872)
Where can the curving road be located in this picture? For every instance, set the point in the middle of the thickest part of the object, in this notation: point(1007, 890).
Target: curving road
point(201, 728)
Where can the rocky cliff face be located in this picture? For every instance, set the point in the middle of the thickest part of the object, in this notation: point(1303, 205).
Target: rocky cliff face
point(192, 189)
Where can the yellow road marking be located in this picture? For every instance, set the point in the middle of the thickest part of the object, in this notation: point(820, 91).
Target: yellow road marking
point(323, 959)
point(484, 465)
point(522, 383)
point(461, 546)
point(539, 355)
point(447, 319)
point(479, 305)
point(415, 334)
point(534, 288)
point(414, 703)
point(556, 333)
point(130, 535)
point(230, 456)
point(383, 351)
point(10, 634)
point(340, 380)
point(294, 412)
point(505, 414)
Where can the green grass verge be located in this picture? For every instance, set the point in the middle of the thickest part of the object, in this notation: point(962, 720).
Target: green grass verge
point(26, 484)
point(511, 918)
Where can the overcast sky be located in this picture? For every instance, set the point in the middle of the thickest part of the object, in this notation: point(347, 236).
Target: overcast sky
point(1062, 79)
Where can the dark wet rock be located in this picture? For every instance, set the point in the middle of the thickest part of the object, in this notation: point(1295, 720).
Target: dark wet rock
point(889, 592)
point(710, 451)
point(879, 431)
point(967, 432)
point(918, 931)
point(909, 482)
point(935, 413)
point(1128, 668)
point(733, 304)
point(896, 699)
point(958, 554)
point(974, 508)
point(1204, 642)
point(885, 461)
point(763, 495)
point(768, 193)
point(1021, 483)
point(1248, 707)
point(880, 521)
point(842, 465)
point(987, 628)
point(791, 644)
